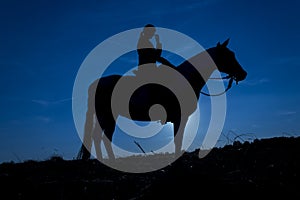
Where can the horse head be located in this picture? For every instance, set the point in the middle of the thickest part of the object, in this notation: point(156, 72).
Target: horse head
point(227, 62)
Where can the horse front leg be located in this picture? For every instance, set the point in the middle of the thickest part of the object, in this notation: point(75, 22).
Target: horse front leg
point(179, 126)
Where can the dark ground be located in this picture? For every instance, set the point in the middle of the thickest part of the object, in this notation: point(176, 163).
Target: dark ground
point(264, 168)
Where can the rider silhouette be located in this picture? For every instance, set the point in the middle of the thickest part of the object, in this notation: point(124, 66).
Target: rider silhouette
point(147, 54)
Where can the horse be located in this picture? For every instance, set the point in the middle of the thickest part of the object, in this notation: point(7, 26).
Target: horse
point(144, 100)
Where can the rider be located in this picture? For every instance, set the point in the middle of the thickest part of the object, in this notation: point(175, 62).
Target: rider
point(148, 55)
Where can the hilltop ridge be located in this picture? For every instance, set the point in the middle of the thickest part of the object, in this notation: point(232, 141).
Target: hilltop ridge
point(269, 166)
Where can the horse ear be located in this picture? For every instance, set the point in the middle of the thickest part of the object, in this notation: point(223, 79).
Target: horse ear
point(218, 45)
point(225, 43)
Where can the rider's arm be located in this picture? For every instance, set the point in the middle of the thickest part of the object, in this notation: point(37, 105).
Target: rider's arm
point(159, 51)
point(158, 46)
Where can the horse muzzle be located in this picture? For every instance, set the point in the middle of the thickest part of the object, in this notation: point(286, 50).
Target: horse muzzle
point(240, 76)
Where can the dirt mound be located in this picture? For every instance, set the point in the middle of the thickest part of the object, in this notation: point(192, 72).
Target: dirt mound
point(267, 166)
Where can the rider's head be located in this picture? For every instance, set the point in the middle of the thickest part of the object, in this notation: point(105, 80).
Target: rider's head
point(149, 31)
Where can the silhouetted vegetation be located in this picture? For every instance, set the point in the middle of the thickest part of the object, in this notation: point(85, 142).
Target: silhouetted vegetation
point(264, 166)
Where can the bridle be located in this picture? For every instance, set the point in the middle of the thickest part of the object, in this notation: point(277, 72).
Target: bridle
point(231, 79)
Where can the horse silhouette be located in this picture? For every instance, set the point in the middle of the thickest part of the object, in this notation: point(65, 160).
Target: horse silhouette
point(160, 94)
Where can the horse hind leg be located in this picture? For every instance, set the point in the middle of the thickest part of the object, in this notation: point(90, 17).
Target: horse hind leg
point(86, 146)
point(107, 137)
point(108, 143)
point(179, 127)
point(97, 138)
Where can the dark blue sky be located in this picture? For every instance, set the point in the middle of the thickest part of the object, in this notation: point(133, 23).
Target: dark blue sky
point(43, 43)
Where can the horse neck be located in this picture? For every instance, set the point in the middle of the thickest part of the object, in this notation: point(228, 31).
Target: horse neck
point(199, 68)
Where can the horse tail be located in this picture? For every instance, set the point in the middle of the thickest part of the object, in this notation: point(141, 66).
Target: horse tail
point(85, 149)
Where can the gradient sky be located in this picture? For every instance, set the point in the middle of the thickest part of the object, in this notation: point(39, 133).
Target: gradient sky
point(43, 43)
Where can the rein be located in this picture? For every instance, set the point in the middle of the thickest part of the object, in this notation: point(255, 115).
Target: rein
point(228, 86)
